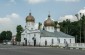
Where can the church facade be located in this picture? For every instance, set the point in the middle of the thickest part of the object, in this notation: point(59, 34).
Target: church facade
point(44, 37)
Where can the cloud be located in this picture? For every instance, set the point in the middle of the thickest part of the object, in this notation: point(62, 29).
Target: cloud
point(12, 1)
point(82, 11)
point(68, 0)
point(35, 1)
point(70, 17)
point(9, 22)
point(73, 18)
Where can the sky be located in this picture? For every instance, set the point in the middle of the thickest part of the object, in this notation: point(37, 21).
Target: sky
point(14, 12)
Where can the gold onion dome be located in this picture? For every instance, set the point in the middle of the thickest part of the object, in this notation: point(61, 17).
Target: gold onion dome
point(30, 18)
point(49, 22)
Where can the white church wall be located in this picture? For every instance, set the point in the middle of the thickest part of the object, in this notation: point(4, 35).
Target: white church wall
point(58, 29)
point(49, 28)
point(69, 40)
point(30, 25)
point(31, 39)
point(41, 41)
point(55, 41)
point(49, 41)
point(73, 40)
point(22, 38)
point(33, 35)
point(28, 40)
point(37, 36)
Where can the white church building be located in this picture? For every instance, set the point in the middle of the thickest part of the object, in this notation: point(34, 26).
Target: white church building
point(47, 37)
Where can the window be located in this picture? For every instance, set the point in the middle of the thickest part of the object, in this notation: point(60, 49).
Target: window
point(58, 40)
point(45, 42)
point(70, 40)
point(64, 40)
point(52, 41)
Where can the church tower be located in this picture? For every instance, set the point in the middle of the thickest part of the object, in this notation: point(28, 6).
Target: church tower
point(49, 24)
point(30, 22)
point(58, 28)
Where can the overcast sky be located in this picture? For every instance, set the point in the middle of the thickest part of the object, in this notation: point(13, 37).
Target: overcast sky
point(14, 12)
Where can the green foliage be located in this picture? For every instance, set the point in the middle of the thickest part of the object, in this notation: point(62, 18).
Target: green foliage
point(65, 26)
point(75, 28)
point(39, 25)
point(19, 30)
point(55, 23)
point(5, 35)
point(9, 35)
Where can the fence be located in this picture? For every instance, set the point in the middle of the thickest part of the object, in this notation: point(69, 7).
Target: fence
point(74, 45)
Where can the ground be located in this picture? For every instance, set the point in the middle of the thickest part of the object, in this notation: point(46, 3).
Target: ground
point(20, 50)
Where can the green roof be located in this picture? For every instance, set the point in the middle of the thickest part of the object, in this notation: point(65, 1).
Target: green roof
point(44, 33)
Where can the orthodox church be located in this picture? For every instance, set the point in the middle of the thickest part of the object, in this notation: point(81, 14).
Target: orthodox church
point(44, 37)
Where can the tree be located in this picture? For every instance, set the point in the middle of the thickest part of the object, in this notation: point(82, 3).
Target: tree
point(5, 35)
point(39, 25)
point(19, 30)
point(8, 35)
point(83, 27)
point(65, 26)
point(55, 24)
point(71, 28)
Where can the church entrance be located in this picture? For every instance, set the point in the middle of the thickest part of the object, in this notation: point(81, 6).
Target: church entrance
point(25, 41)
point(45, 42)
point(34, 42)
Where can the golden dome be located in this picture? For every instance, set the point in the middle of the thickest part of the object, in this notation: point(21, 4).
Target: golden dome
point(49, 22)
point(30, 18)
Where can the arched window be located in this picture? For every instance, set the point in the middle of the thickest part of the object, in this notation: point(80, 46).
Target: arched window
point(58, 40)
point(45, 42)
point(64, 40)
point(70, 40)
point(52, 41)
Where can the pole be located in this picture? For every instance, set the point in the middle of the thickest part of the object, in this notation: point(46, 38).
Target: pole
point(76, 38)
point(80, 27)
point(80, 34)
